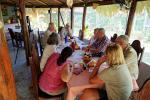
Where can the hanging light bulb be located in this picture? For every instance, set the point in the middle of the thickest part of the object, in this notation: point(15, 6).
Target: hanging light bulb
point(69, 3)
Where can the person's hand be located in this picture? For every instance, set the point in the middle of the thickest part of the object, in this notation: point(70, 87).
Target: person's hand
point(101, 60)
point(70, 68)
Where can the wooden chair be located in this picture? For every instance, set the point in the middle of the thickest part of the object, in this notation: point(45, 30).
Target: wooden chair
point(40, 43)
point(35, 70)
point(136, 44)
point(12, 35)
point(144, 92)
point(16, 41)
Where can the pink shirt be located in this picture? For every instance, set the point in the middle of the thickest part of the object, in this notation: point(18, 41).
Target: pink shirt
point(50, 80)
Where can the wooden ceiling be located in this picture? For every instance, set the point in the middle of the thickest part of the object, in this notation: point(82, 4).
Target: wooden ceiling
point(57, 3)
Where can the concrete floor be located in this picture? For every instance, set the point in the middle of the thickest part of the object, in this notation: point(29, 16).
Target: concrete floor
point(22, 74)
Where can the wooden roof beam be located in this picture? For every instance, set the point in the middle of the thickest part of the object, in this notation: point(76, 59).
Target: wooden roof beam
point(29, 2)
point(41, 2)
point(59, 1)
point(11, 1)
point(65, 6)
point(81, 0)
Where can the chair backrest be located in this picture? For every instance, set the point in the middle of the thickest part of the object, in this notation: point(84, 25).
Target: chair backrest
point(12, 35)
point(144, 92)
point(136, 44)
point(35, 70)
point(113, 38)
point(40, 43)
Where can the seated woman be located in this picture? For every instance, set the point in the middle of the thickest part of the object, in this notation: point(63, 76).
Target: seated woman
point(49, 31)
point(68, 31)
point(93, 38)
point(116, 77)
point(57, 71)
point(50, 48)
point(61, 33)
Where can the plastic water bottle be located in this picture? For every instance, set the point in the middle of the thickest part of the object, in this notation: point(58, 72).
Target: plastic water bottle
point(66, 39)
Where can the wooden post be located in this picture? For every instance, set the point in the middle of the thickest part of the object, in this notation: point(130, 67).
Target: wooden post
point(24, 29)
point(50, 14)
point(131, 17)
point(7, 82)
point(62, 19)
point(72, 18)
point(58, 18)
point(83, 22)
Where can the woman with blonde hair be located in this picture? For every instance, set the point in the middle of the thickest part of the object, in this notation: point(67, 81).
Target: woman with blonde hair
point(116, 78)
point(51, 29)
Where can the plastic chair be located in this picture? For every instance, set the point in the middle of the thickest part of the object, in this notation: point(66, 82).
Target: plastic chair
point(136, 44)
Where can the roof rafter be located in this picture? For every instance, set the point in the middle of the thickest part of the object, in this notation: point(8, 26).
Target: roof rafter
point(59, 1)
point(14, 1)
point(64, 5)
point(11, 1)
point(29, 2)
point(40, 1)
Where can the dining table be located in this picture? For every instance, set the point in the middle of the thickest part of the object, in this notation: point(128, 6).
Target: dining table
point(78, 83)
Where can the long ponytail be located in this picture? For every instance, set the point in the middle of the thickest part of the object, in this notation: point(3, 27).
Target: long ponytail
point(66, 52)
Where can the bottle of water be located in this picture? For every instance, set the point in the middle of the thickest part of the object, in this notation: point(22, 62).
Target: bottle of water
point(66, 39)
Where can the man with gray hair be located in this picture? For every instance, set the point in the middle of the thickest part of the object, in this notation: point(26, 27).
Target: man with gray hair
point(130, 55)
point(97, 48)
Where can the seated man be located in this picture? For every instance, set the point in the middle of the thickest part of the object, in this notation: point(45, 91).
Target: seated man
point(130, 55)
point(100, 43)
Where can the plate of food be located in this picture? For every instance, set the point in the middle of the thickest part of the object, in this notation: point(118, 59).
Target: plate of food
point(87, 58)
point(92, 63)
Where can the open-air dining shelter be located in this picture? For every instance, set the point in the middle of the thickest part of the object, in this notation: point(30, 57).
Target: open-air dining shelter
point(25, 11)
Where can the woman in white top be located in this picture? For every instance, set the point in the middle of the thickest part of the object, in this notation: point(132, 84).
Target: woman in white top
point(49, 31)
point(50, 48)
point(68, 31)
point(93, 38)
point(61, 33)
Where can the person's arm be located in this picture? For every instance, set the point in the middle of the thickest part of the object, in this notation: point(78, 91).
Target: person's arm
point(92, 50)
point(97, 80)
point(67, 72)
point(86, 49)
point(99, 62)
point(48, 51)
